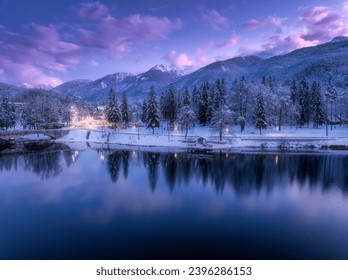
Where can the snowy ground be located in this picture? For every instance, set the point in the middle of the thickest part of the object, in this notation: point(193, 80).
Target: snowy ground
point(292, 138)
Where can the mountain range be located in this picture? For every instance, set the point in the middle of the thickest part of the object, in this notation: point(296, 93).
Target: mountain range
point(324, 62)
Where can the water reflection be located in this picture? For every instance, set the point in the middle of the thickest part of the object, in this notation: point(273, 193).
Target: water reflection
point(242, 173)
point(46, 163)
point(128, 204)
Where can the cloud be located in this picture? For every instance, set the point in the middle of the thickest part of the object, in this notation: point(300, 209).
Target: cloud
point(215, 19)
point(345, 5)
point(39, 54)
point(178, 59)
point(253, 24)
point(92, 11)
point(278, 45)
point(316, 25)
point(322, 24)
point(205, 48)
point(93, 63)
point(270, 21)
point(231, 42)
point(34, 57)
point(114, 36)
point(212, 45)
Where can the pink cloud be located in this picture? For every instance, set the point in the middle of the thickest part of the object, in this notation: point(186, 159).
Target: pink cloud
point(345, 5)
point(317, 25)
point(32, 58)
point(178, 59)
point(212, 45)
point(278, 45)
point(114, 36)
point(253, 24)
point(52, 49)
point(231, 42)
point(205, 48)
point(270, 21)
point(93, 63)
point(92, 11)
point(322, 24)
point(215, 19)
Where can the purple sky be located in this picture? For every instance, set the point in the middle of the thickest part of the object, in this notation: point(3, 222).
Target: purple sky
point(45, 43)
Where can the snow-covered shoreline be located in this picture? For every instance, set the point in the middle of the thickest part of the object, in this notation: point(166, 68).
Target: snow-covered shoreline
point(289, 138)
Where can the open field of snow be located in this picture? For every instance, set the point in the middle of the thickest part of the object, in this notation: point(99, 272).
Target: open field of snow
point(288, 137)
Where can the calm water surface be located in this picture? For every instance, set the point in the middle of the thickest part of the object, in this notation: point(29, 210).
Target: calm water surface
point(124, 204)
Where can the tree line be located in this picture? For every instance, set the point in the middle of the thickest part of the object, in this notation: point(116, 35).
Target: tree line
point(216, 104)
point(37, 109)
point(242, 103)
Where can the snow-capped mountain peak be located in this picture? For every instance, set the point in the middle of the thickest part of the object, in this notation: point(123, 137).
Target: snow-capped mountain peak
point(177, 70)
point(160, 67)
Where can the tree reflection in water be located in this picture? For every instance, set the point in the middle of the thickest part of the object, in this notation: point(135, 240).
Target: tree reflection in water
point(46, 164)
point(244, 173)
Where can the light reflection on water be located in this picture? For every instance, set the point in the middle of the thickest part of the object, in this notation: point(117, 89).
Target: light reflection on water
point(128, 204)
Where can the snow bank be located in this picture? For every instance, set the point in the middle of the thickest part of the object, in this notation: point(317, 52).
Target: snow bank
point(288, 138)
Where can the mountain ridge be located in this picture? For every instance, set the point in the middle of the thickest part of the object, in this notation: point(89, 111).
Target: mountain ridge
point(327, 61)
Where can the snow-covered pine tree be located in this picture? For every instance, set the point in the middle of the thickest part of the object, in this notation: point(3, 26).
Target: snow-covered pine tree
point(240, 94)
point(144, 111)
point(112, 109)
point(186, 116)
point(260, 113)
point(318, 112)
point(152, 113)
point(220, 93)
point(212, 101)
point(221, 118)
point(203, 105)
point(169, 106)
point(125, 114)
point(7, 113)
point(304, 103)
point(293, 92)
point(195, 99)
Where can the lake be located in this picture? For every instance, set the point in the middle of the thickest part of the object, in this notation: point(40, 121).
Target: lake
point(129, 204)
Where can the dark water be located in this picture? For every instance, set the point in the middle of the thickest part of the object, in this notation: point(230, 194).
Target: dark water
point(66, 204)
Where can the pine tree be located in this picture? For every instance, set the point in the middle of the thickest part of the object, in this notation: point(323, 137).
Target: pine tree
point(317, 105)
point(144, 110)
point(203, 105)
point(195, 98)
point(293, 92)
point(304, 103)
point(241, 93)
point(125, 110)
point(152, 112)
point(169, 106)
point(220, 93)
point(260, 114)
point(112, 109)
point(212, 98)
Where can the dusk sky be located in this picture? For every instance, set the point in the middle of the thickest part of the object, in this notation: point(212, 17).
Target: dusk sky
point(45, 43)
